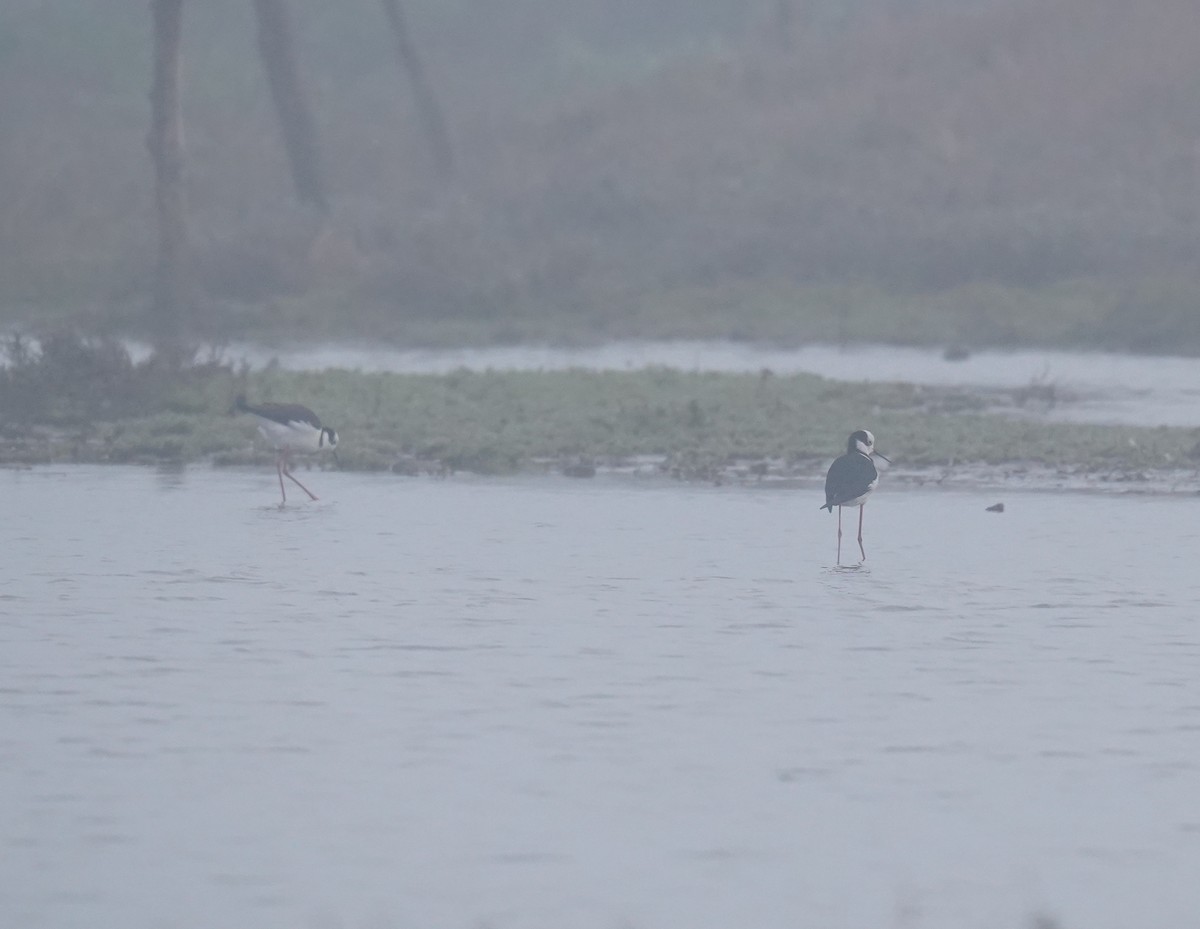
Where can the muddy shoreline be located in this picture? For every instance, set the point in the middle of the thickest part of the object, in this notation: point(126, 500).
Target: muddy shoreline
point(1023, 476)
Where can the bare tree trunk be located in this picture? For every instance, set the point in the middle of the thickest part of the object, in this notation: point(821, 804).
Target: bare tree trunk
point(295, 116)
point(427, 105)
point(172, 283)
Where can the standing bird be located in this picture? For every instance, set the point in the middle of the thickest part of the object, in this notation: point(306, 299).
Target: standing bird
point(290, 428)
point(850, 480)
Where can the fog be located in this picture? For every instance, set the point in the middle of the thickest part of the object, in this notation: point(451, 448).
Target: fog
point(988, 173)
point(637, 688)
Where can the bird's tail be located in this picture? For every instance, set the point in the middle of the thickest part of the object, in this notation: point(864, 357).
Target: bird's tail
point(827, 506)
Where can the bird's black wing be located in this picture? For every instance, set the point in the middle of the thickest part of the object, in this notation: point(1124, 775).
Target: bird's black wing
point(282, 413)
point(849, 477)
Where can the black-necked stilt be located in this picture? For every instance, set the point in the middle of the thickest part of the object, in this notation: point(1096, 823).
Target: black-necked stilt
point(290, 428)
point(850, 480)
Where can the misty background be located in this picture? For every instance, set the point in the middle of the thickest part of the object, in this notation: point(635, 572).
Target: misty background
point(566, 642)
point(991, 172)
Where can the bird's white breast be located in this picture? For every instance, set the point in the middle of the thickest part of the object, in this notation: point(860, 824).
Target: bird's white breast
point(858, 501)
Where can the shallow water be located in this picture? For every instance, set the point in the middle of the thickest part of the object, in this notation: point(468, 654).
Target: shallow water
point(544, 703)
point(1097, 387)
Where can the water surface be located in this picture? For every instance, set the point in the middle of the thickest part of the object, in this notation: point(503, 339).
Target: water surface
point(544, 703)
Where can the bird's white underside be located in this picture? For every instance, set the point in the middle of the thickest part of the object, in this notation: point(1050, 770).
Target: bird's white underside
point(859, 501)
point(294, 436)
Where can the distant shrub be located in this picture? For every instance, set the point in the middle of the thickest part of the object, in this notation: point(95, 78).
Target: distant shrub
point(1155, 314)
point(64, 378)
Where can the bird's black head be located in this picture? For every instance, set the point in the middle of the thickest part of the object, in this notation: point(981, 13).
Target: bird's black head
point(861, 441)
point(328, 437)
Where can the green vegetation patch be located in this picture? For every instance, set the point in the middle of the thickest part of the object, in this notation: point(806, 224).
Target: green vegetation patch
point(81, 401)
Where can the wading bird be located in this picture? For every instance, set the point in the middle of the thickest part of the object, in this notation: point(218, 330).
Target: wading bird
point(850, 480)
point(291, 429)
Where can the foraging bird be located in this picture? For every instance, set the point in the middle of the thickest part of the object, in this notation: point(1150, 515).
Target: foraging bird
point(850, 480)
point(290, 428)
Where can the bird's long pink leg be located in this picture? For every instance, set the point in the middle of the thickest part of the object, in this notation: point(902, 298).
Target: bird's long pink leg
point(287, 471)
point(279, 470)
point(839, 557)
point(861, 506)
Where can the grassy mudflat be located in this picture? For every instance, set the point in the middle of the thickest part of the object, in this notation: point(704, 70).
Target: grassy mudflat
point(83, 404)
